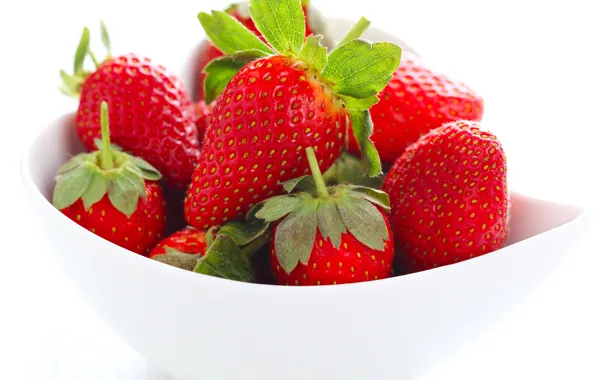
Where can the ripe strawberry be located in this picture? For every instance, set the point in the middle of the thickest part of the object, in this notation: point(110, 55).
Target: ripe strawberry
point(207, 52)
point(112, 194)
point(202, 113)
point(449, 196)
point(415, 101)
point(277, 106)
point(182, 249)
point(151, 112)
point(339, 236)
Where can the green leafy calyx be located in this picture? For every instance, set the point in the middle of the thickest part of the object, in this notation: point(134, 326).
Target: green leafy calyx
point(339, 209)
point(72, 83)
point(175, 258)
point(356, 70)
point(90, 176)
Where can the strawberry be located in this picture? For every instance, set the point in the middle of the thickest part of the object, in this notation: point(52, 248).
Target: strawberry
point(416, 101)
point(207, 52)
point(182, 249)
point(202, 113)
point(151, 112)
point(276, 105)
point(449, 197)
point(113, 194)
point(326, 236)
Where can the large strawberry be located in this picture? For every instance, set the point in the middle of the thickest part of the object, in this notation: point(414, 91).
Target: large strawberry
point(326, 236)
point(182, 249)
point(449, 197)
point(415, 101)
point(278, 104)
point(113, 194)
point(151, 112)
point(207, 52)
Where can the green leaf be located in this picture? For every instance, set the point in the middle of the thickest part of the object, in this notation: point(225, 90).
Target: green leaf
point(221, 70)
point(295, 235)
point(282, 22)
point(73, 163)
point(225, 260)
point(243, 233)
point(178, 259)
point(229, 35)
point(350, 169)
point(314, 53)
point(360, 69)
point(70, 84)
point(375, 196)
point(362, 126)
point(105, 37)
point(124, 191)
point(147, 170)
point(329, 221)
point(364, 221)
point(278, 207)
point(81, 52)
point(96, 190)
point(304, 183)
point(360, 104)
point(71, 186)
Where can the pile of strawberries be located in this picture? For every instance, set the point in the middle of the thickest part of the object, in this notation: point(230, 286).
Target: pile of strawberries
point(298, 161)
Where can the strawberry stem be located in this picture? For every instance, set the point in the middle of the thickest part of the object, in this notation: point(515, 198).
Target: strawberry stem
point(106, 161)
point(357, 30)
point(94, 59)
point(316, 173)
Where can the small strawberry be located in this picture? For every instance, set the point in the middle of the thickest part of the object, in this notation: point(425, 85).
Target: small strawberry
point(207, 52)
point(278, 104)
point(182, 249)
point(113, 194)
point(202, 113)
point(326, 236)
point(416, 101)
point(151, 113)
point(449, 197)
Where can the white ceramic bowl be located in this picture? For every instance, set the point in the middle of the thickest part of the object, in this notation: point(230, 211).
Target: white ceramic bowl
point(200, 327)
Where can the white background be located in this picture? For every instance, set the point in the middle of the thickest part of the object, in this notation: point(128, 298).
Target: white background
point(533, 61)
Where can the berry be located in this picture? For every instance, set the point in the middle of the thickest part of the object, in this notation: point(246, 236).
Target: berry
point(112, 194)
point(449, 197)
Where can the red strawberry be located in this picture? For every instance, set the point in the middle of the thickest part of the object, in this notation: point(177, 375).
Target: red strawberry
point(112, 194)
point(449, 196)
point(277, 106)
point(416, 101)
point(340, 236)
point(207, 52)
point(182, 249)
point(151, 112)
point(202, 113)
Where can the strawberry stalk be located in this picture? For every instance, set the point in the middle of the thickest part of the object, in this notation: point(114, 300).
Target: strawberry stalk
point(356, 32)
point(106, 160)
point(316, 173)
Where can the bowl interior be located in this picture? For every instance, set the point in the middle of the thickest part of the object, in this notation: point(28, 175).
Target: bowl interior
point(58, 142)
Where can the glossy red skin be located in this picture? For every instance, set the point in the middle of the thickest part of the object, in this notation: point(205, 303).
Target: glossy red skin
point(138, 234)
point(202, 113)
point(350, 263)
point(449, 197)
point(151, 115)
point(257, 139)
point(187, 240)
point(208, 52)
point(415, 101)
